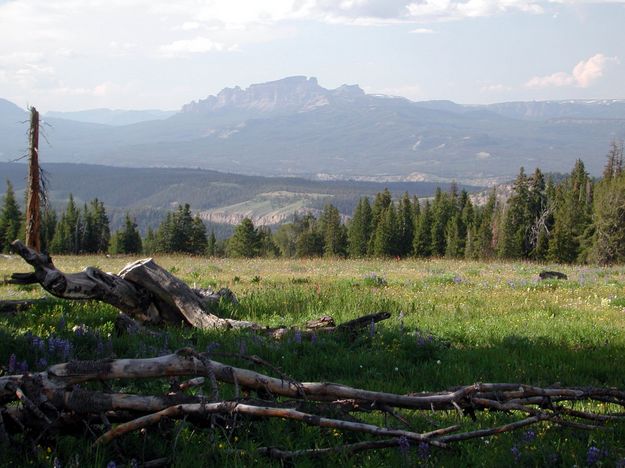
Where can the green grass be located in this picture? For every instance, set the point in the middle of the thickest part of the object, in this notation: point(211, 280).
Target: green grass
point(463, 322)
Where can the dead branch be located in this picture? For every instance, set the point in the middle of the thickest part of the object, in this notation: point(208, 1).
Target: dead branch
point(51, 401)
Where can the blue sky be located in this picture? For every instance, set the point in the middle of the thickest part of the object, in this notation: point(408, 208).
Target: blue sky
point(132, 54)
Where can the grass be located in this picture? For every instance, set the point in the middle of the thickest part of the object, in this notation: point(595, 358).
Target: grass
point(462, 322)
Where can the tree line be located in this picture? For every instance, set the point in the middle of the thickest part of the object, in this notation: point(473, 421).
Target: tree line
point(577, 219)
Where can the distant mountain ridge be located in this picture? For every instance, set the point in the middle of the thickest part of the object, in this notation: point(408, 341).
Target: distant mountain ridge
point(295, 127)
point(112, 116)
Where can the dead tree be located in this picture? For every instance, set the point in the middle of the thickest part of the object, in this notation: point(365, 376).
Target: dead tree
point(150, 294)
point(33, 206)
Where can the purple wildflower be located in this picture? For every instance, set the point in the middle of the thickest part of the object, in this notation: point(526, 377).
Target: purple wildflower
point(62, 322)
point(23, 367)
point(38, 343)
point(99, 349)
point(424, 450)
point(12, 363)
point(404, 446)
point(111, 464)
point(313, 338)
point(42, 363)
point(594, 454)
point(57, 463)
point(297, 337)
point(529, 436)
point(516, 453)
point(457, 279)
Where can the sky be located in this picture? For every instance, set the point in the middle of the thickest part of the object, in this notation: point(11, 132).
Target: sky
point(69, 55)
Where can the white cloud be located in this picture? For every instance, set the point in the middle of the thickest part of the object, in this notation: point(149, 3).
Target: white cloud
point(583, 74)
point(422, 31)
point(198, 45)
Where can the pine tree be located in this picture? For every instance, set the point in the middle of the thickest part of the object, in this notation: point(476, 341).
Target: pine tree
point(406, 226)
point(69, 231)
point(197, 243)
point(332, 232)
point(360, 229)
point(608, 220)
point(422, 244)
point(48, 227)
point(382, 201)
point(443, 209)
point(245, 241)
point(10, 219)
point(517, 222)
point(127, 240)
point(385, 237)
point(212, 244)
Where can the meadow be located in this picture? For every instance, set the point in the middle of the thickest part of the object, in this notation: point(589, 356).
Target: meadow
point(453, 323)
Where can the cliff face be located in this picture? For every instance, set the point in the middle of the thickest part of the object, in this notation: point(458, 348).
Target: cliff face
point(292, 94)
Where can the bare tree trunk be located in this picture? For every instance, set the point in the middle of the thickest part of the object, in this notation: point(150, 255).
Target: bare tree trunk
point(33, 207)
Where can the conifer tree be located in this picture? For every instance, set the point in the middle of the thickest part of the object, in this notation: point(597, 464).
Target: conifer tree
point(422, 244)
point(517, 221)
point(406, 225)
point(385, 237)
point(332, 232)
point(10, 219)
point(608, 221)
point(360, 229)
point(245, 241)
point(212, 244)
point(127, 240)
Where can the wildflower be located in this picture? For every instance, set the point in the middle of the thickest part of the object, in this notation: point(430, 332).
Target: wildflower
point(111, 464)
point(212, 346)
point(42, 363)
point(424, 450)
point(313, 338)
point(23, 367)
point(404, 446)
point(457, 279)
point(242, 347)
point(12, 363)
point(134, 463)
point(57, 463)
point(38, 343)
point(61, 325)
point(297, 337)
point(516, 453)
point(372, 328)
point(529, 436)
point(594, 454)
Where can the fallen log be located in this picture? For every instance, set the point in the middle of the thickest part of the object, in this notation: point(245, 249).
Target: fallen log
point(150, 294)
point(52, 401)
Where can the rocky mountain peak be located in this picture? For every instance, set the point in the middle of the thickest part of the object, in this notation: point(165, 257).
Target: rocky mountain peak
point(294, 93)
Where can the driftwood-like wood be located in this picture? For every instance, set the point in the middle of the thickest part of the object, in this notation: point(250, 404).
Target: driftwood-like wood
point(51, 401)
point(148, 293)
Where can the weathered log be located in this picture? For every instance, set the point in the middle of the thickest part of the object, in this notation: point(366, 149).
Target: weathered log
point(51, 400)
point(149, 293)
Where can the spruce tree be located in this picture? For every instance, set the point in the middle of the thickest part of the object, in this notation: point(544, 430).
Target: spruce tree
point(517, 222)
point(127, 240)
point(360, 229)
point(212, 244)
point(245, 241)
point(333, 232)
point(422, 244)
point(406, 226)
point(10, 219)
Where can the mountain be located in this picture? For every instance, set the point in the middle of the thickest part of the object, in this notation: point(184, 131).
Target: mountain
point(112, 116)
point(295, 127)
